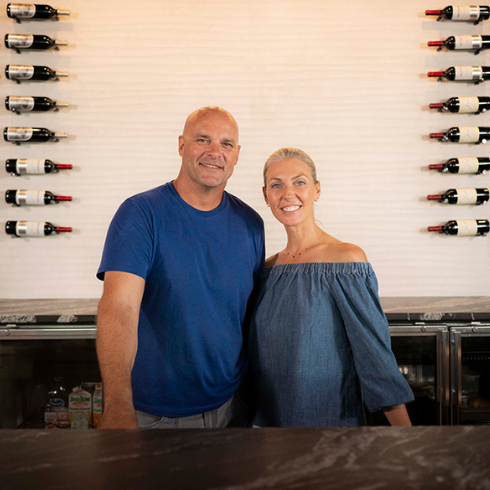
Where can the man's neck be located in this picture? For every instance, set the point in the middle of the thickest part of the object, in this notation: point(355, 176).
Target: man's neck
point(196, 196)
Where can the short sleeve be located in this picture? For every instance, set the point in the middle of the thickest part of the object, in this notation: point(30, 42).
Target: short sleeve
point(382, 384)
point(129, 242)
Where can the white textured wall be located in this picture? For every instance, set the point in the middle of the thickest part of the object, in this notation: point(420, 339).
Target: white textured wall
point(343, 81)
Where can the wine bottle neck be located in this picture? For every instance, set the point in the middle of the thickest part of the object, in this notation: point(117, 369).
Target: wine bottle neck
point(61, 135)
point(433, 12)
point(61, 73)
point(62, 104)
point(435, 228)
point(436, 166)
point(62, 12)
point(434, 197)
point(60, 43)
point(63, 198)
point(63, 166)
point(59, 229)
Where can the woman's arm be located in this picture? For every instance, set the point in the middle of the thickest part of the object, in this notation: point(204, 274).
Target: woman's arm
point(397, 415)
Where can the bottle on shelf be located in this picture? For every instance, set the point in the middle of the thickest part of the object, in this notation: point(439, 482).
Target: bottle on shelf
point(33, 228)
point(463, 227)
point(32, 198)
point(33, 166)
point(476, 43)
point(475, 74)
point(32, 72)
point(464, 134)
point(18, 104)
point(461, 196)
point(56, 414)
point(465, 165)
point(31, 41)
point(472, 13)
point(25, 11)
point(31, 135)
point(463, 105)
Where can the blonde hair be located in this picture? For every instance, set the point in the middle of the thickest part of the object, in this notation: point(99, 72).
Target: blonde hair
point(290, 154)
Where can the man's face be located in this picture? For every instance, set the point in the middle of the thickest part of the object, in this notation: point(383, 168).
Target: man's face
point(209, 148)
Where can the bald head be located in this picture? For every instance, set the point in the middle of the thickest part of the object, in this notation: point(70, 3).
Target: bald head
point(205, 112)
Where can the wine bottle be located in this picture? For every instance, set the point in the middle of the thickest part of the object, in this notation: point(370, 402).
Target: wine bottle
point(473, 13)
point(32, 228)
point(31, 166)
point(33, 198)
point(32, 135)
point(23, 11)
point(476, 43)
point(475, 74)
point(28, 104)
point(463, 105)
point(466, 165)
point(31, 41)
point(463, 227)
point(461, 196)
point(464, 134)
point(32, 72)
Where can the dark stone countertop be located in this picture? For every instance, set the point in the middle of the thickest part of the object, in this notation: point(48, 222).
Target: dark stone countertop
point(397, 309)
point(368, 458)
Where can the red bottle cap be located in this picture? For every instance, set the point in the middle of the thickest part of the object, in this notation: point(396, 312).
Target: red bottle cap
point(438, 105)
point(62, 228)
point(434, 228)
point(63, 198)
point(435, 43)
point(436, 166)
point(63, 165)
point(435, 74)
point(432, 12)
point(434, 197)
point(436, 135)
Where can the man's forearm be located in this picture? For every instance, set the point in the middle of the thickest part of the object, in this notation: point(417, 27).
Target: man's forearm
point(117, 344)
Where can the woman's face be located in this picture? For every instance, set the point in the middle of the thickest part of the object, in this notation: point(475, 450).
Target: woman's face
point(290, 191)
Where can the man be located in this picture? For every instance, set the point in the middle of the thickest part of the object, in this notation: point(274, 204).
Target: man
point(179, 266)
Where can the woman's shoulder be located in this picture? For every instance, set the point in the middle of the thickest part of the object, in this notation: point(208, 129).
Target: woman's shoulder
point(271, 261)
point(342, 252)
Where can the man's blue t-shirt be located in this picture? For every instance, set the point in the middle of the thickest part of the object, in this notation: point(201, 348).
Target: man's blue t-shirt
point(200, 268)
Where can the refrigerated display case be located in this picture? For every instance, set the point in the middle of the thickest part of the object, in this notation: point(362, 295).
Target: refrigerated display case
point(31, 357)
point(470, 374)
point(422, 355)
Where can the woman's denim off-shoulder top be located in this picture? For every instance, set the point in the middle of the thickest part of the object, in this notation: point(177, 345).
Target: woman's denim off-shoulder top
point(320, 347)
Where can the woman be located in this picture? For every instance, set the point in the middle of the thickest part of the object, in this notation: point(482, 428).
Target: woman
point(319, 340)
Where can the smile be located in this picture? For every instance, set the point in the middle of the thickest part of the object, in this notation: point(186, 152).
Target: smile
point(290, 209)
point(210, 165)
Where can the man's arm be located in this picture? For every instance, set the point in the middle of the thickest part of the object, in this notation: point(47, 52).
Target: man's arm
point(117, 343)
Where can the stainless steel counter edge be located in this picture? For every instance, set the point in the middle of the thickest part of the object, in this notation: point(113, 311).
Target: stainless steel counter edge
point(397, 309)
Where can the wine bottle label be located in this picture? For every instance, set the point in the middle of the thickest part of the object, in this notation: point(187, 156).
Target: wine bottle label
point(469, 134)
point(30, 166)
point(467, 227)
point(20, 40)
point(466, 12)
point(22, 10)
point(466, 196)
point(21, 104)
point(468, 42)
point(465, 73)
point(468, 165)
point(29, 198)
point(29, 228)
point(468, 105)
point(20, 72)
point(19, 134)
